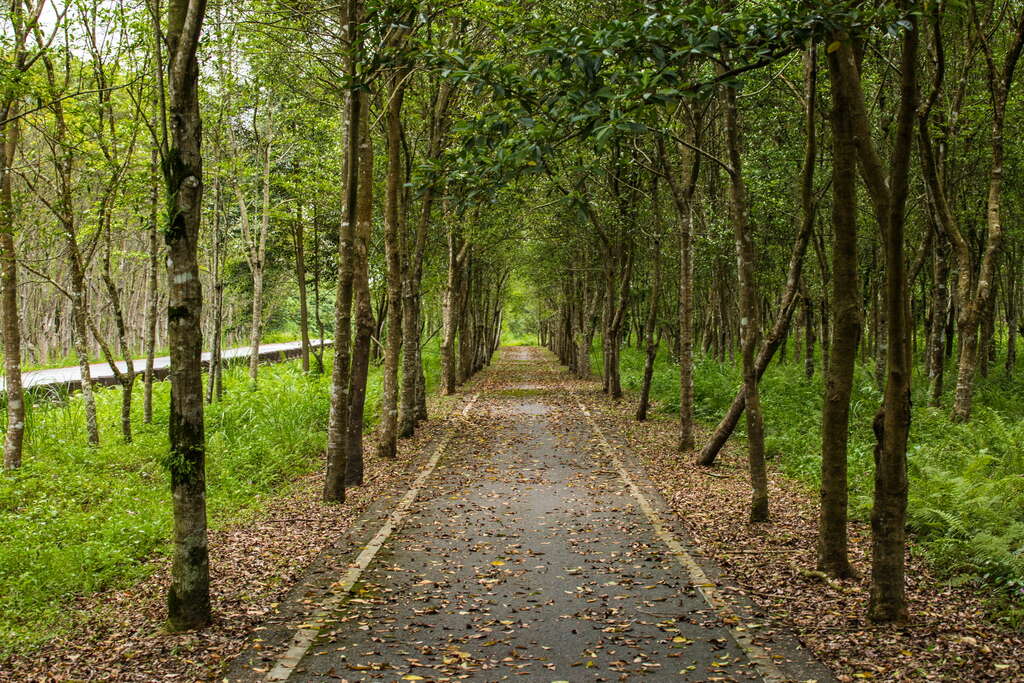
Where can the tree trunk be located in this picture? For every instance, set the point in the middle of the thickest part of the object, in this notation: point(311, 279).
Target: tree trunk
point(337, 426)
point(652, 322)
point(808, 305)
point(387, 441)
point(682, 196)
point(152, 291)
point(833, 552)
point(363, 306)
point(892, 423)
point(15, 433)
point(788, 301)
point(749, 325)
point(300, 279)
point(451, 304)
point(940, 306)
point(188, 598)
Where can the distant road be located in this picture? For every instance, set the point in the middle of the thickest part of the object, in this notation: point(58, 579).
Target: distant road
point(102, 373)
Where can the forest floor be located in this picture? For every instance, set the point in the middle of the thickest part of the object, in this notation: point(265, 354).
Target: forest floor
point(556, 540)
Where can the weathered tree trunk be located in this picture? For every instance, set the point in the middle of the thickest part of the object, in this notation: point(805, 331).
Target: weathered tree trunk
point(300, 279)
point(363, 307)
point(387, 435)
point(833, 546)
point(940, 306)
point(15, 433)
point(892, 423)
point(451, 304)
point(749, 325)
point(653, 337)
point(337, 426)
point(412, 410)
point(152, 291)
point(682, 196)
point(188, 598)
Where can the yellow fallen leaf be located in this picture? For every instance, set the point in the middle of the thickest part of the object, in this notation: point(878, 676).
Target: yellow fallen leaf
point(497, 563)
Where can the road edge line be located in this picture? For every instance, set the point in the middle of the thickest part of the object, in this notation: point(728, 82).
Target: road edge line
point(304, 637)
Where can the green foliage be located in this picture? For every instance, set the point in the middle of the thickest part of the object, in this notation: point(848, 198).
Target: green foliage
point(966, 480)
point(76, 519)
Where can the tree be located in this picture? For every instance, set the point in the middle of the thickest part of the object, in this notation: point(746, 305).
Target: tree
point(188, 598)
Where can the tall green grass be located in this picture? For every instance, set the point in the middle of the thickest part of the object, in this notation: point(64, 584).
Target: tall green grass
point(76, 519)
point(966, 500)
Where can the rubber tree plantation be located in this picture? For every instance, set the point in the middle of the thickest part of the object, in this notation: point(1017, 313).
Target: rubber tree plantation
point(292, 291)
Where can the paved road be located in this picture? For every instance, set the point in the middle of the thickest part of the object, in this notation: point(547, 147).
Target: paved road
point(102, 373)
point(525, 557)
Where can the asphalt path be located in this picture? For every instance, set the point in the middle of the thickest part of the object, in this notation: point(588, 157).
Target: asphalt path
point(525, 555)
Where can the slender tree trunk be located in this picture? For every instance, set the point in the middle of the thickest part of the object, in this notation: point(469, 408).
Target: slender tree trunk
point(451, 304)
point(15, 433)
point(188, 598)
point(682, 195)
point(300, 279)
point(652, 336)
point(749, 325)
point(1010, 297)
point(152, 291)
point(126, 377)
point(940, 306)
point(337, 426)
point(973, 304)
point(363, 307)
point(413, 403)
point(888, 193)
point(257, 263)
point(808, 305)
point(833, 550)
point(387, 441)
point(215, 384)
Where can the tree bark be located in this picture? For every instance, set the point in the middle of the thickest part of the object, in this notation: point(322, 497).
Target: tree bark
point(387, 435)
point(833, 549)
point(188, 598)
point(15, 433)
point(363, 306)
point(300, 279)
point(888, 193)
point(337, 426)
point(749, 325)
point(653, 337)
point(152, 290)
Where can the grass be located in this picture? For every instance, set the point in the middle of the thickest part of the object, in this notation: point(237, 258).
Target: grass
point(75, 519)
point(966, 500)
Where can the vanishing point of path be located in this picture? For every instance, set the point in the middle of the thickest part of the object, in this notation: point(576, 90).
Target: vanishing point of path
point(529, 552)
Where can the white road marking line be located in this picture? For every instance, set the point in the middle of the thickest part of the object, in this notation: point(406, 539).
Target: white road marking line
point(305, 636)
point(757, 655)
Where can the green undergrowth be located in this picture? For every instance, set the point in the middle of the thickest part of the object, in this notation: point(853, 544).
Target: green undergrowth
point(76, 519)
point(966, 500)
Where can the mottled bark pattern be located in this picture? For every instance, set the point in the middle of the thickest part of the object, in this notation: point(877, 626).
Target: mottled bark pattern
point(188, 598)
point(833, 551)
